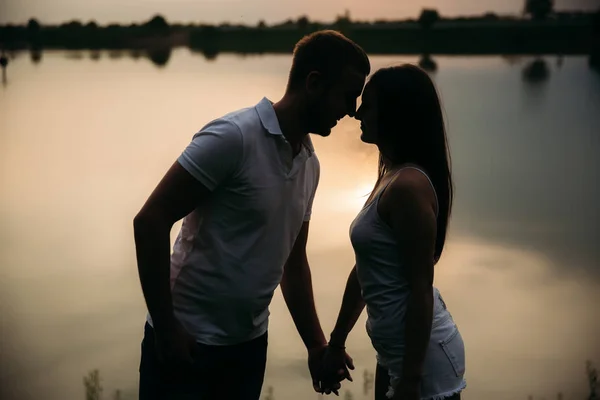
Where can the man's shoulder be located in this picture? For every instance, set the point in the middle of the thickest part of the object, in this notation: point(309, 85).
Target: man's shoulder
point(242, 118)
point(232, 120)
point(313, 168)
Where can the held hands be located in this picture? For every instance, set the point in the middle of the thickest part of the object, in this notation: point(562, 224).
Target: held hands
point(329, 366)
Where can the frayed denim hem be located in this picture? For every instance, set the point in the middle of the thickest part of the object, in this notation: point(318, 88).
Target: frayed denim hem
point(441, 396)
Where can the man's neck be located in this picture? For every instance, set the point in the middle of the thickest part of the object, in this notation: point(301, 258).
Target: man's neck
point(289, 114)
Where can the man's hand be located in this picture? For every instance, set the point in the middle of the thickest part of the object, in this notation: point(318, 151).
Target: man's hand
point(336, 364)
point(174, 345)
point(315, 359)
point(315, 365)
point(328, 367)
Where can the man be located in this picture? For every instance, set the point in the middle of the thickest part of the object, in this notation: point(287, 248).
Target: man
point(245, 187)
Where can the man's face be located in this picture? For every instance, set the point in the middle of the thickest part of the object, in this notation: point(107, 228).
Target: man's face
point(327, 104)
point(367, 114)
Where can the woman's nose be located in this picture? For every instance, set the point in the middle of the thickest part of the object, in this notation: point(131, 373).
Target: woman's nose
point(356, 115)
point(352, 109)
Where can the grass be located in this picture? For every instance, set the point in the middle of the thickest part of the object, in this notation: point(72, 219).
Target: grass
point(94, 390)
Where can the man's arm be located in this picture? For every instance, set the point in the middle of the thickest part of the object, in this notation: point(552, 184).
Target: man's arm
point(213, 156)
point(177, 194)
point(296, 286)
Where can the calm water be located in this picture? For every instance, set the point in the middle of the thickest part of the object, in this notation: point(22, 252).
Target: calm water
point(83, 142)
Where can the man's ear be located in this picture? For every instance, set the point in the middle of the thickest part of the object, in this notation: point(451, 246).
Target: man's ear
point(314, 83)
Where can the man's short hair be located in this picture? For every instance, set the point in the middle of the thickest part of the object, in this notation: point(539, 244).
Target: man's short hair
point(328, 52)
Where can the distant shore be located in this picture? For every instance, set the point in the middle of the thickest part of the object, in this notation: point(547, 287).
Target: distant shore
point(561, 34)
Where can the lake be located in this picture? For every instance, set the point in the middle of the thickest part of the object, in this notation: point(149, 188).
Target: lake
point(83, 141)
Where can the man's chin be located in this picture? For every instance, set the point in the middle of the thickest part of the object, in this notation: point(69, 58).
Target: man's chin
point(366, 139)
point(323, 132)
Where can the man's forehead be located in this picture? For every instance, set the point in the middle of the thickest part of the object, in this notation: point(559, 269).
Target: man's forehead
point(353, 79)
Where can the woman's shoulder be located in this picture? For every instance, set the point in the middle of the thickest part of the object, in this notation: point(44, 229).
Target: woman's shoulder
point(409, 190)
point(410, 181)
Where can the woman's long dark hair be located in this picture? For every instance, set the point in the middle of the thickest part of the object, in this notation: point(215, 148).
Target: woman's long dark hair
point(411, 131)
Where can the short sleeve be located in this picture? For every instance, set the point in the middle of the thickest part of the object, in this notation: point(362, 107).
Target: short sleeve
point(214, 154)
point(317, 173)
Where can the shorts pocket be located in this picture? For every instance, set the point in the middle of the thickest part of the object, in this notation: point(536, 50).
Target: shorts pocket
point(454, 348)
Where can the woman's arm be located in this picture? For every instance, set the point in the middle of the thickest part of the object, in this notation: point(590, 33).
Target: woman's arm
point(408, 205)
point(352, 307)
point(336, 362)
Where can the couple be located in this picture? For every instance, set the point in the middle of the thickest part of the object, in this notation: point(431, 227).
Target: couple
point(244, 187)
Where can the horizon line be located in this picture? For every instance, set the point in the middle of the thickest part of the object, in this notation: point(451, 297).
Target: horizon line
point(340, 15)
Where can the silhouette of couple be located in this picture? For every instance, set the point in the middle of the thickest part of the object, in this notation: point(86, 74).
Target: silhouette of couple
point(244, 187)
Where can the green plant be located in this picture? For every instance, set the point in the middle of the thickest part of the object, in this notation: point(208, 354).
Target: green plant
point(592, 375)
point(367, 382)
point(93, 388)
point(269, 395)
point(538, 9)
point(428, 17)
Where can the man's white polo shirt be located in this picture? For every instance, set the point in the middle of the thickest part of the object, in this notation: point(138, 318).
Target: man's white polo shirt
point(228, 258)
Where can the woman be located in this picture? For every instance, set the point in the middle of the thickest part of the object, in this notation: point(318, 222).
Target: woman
point(398, 237)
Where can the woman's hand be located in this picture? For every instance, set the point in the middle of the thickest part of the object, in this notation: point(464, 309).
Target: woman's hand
point(335, 367)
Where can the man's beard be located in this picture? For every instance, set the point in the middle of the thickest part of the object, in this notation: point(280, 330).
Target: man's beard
point(315, 121)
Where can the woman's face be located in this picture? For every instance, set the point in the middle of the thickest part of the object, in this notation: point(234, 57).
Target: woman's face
point(367, 115)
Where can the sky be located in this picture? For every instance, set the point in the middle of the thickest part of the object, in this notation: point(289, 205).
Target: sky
point(251, 11)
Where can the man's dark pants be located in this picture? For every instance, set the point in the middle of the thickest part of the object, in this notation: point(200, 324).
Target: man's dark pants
point(219, 372)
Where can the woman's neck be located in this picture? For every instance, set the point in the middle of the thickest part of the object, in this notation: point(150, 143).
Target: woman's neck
point(394, 165)
point(387, 163)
